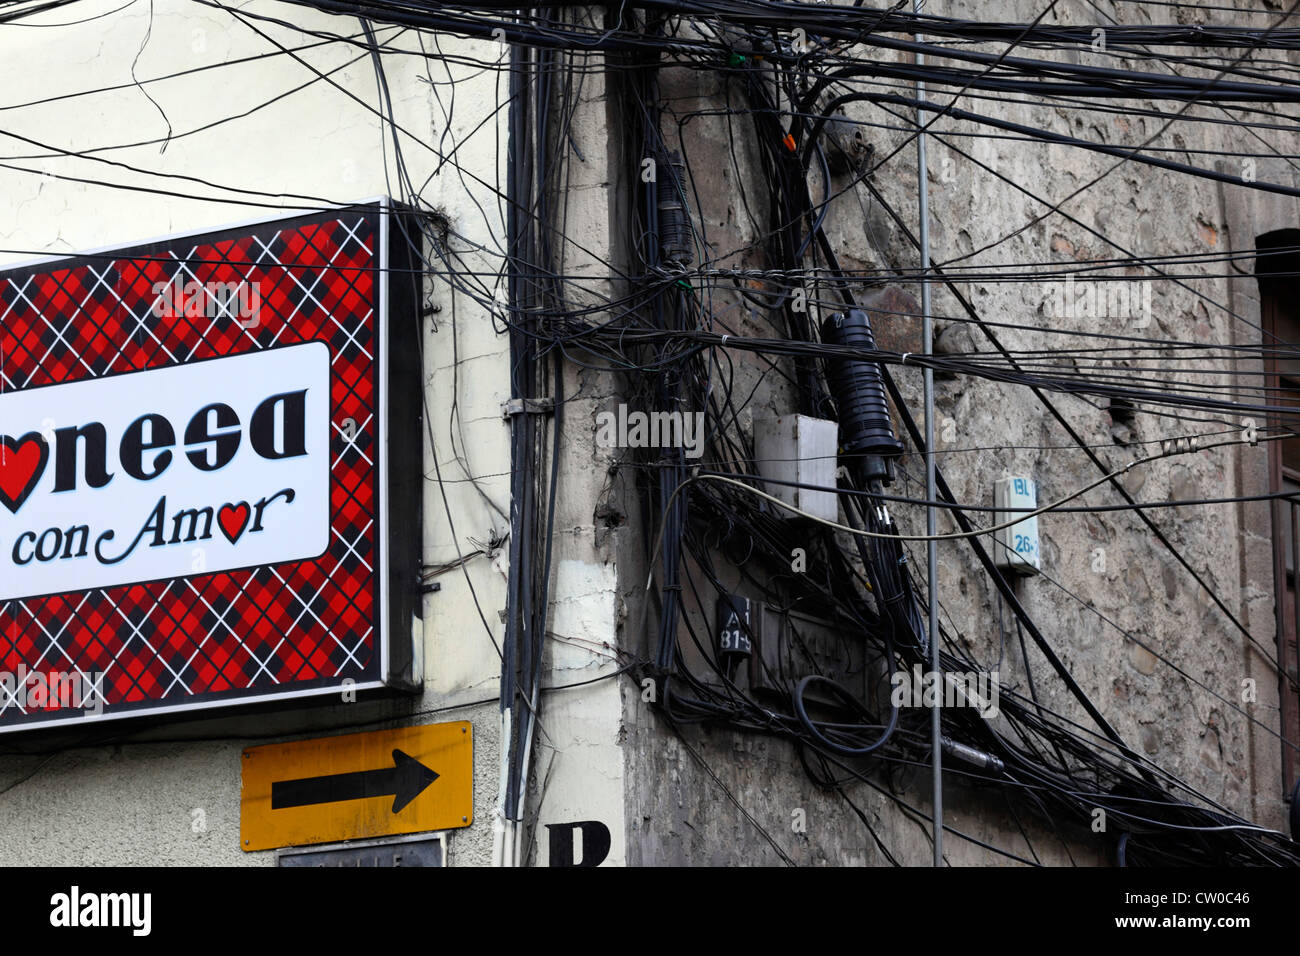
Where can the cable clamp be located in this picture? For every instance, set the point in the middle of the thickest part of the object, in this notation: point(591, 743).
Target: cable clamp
point(530, 406)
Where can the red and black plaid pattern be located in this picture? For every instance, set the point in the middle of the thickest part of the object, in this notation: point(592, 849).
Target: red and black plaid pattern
point(266, 631)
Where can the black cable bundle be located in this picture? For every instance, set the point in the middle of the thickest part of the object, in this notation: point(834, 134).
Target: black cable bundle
point(668, 335)
point(674, 219)
point(859, 394)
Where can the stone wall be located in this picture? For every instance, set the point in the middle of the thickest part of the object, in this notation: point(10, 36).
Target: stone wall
point(1143, 638)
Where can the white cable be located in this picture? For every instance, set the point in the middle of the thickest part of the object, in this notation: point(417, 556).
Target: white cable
point(953, 536)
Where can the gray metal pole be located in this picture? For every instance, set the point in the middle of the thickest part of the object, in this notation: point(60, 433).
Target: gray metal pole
point(931, 548)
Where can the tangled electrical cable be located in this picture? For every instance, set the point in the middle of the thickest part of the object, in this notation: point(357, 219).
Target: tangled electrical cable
point(660, 324)
point(663, 336)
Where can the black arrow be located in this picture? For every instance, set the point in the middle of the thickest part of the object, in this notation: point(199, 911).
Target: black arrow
point(404, 781)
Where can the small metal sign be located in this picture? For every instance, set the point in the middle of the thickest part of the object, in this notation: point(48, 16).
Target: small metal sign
point(419, 850)
point(386, 782)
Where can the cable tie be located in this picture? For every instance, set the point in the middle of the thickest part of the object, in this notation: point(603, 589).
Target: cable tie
point(905, 355)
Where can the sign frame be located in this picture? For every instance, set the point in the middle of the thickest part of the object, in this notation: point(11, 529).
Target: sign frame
point(397, 450)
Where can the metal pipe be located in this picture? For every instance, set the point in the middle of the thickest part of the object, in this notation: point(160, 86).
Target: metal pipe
point(517, 177)
point(931, 549)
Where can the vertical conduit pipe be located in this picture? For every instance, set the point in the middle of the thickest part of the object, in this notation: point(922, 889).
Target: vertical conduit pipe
point(931, 546)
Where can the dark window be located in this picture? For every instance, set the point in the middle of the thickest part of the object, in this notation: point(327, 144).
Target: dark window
point(1279, 283)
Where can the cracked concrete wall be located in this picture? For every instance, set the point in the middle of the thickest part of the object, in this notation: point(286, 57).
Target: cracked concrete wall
point(602, 753)
point(1108, 587)
point(578, 765)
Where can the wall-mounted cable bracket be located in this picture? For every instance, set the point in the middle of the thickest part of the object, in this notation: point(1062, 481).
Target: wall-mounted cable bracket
point(530, 406)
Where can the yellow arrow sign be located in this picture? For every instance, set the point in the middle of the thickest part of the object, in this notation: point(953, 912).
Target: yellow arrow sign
point(382, 783)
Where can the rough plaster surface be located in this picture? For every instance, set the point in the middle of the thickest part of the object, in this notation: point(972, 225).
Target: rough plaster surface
point(134, 802)
point(603, 754)
point(1093, 611)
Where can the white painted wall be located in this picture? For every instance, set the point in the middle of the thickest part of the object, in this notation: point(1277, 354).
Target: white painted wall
point(71, 88)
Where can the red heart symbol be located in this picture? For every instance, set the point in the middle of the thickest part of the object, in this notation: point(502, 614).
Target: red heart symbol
point(22, 462)
point(233, 519)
